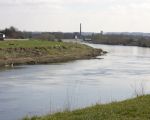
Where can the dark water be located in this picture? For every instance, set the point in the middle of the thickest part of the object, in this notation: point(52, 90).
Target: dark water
point(41, 89)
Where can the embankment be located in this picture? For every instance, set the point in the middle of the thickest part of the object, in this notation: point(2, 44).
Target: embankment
point(134, 109)
point(43, 52)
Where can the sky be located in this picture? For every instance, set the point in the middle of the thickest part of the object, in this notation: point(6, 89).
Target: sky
point(66, 15)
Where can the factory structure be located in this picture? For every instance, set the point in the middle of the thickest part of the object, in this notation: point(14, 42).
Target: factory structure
point(83, 36)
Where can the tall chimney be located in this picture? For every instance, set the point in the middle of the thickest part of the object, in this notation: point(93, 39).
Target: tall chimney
point(80, 30)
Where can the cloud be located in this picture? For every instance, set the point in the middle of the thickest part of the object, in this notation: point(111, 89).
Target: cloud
point(65, 15)
point(14, 3)
point(104, 4)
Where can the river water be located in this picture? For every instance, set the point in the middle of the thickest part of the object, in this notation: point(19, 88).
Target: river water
point(40, 89)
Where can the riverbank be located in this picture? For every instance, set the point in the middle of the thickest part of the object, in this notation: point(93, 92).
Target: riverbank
point(43, 52)
point(133, 109)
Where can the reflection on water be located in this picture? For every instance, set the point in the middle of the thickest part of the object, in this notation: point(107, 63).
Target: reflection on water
point(40, 89)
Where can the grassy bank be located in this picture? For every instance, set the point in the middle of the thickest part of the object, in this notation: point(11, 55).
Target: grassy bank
point(39, 52)
point(134, 109)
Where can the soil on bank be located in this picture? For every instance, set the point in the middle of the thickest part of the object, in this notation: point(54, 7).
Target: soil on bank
point(43, 52)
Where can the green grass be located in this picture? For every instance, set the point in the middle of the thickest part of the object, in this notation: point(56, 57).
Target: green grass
point(29, 43)
point(36, 48)
point(134, 109)
point(38, 51)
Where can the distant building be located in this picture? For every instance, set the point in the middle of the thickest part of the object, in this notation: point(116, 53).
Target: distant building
point(2, 36)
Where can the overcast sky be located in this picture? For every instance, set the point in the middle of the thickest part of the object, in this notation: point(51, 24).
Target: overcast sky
point(66, 15)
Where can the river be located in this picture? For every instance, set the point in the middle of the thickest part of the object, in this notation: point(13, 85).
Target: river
point(40, 89)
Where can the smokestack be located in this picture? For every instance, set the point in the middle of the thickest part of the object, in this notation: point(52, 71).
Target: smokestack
point(80, 30)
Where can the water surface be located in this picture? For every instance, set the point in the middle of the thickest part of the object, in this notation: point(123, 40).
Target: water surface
point(40, 89)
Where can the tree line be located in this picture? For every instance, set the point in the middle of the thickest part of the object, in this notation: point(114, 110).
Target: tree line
point(121, 39)
point(15, 33)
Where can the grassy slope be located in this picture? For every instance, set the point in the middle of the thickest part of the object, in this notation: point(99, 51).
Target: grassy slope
point(27, 44)
point(33, 51)
point(135, 109)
